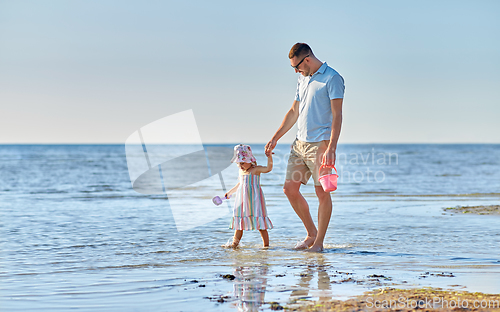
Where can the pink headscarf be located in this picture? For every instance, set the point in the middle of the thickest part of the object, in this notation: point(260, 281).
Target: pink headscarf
point(243, 154)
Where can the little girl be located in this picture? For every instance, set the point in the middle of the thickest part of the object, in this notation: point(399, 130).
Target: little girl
point(249, 211)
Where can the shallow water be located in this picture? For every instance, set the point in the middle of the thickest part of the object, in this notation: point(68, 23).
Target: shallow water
point(74, 234)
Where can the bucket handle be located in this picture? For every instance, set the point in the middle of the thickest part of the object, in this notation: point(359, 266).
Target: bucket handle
point(328, 167)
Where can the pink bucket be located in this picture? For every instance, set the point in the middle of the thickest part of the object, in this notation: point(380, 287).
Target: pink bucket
point(328, 181)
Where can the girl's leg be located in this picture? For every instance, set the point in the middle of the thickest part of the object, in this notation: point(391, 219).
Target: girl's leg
point(237, 237)
point(265, 237)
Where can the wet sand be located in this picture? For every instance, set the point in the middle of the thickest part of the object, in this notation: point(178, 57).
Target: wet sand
point(417, 299)
point(479, 210)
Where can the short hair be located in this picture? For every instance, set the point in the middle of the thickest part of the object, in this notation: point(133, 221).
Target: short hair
point(299, 49)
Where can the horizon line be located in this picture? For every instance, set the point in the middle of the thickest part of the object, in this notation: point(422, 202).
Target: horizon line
point(263, 143)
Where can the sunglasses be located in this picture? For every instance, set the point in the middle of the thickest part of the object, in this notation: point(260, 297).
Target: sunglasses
point(297, 66)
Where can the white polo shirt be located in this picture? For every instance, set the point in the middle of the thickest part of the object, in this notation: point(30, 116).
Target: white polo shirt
point(315, 111)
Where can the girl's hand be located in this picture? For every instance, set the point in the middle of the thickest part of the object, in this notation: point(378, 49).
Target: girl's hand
point(226, 195)
point(270, 146)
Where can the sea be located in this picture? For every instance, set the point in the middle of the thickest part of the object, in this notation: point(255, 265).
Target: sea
point(77, 234)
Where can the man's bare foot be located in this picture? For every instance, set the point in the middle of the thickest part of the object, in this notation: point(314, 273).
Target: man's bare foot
point(306, 243)
point(315, 248)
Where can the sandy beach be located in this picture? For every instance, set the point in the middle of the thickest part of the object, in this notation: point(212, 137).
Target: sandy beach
point(416, 299)
point(479, 210)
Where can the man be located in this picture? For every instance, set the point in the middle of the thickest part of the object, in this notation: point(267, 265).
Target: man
point(317, 109)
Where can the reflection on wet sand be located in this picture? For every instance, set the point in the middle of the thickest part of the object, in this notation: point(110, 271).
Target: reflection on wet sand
point(250, 283)
point(250, 287)
point(317, 265)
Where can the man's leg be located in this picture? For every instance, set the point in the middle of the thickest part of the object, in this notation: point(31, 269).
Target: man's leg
point(324, 215)
point(299, 204)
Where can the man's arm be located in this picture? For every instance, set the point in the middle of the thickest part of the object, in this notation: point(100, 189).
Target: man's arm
point(330, 154)
point(288, 122)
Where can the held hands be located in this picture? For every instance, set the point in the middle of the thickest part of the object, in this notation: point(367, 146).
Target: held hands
point(270, 146)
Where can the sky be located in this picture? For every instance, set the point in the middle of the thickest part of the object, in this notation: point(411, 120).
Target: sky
point(96, 71)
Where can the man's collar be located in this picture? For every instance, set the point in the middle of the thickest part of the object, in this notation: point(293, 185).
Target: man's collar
point(322, 69)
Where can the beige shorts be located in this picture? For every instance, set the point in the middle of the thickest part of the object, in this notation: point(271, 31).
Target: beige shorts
point(305, 160)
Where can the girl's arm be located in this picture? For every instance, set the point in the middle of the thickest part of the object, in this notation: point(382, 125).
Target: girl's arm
point(268, 168)
point(231, 191)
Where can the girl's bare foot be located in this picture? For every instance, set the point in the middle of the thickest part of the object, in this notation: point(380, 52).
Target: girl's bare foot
point(265, 238)
point(232, 243)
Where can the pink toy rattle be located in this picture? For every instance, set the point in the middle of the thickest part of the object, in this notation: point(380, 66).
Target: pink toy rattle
point(217, 200)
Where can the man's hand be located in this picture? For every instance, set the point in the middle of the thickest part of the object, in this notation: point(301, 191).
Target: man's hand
point(270, 146)
point(329, 157)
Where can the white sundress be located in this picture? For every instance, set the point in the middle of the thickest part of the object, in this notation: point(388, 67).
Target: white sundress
point(250, 211)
